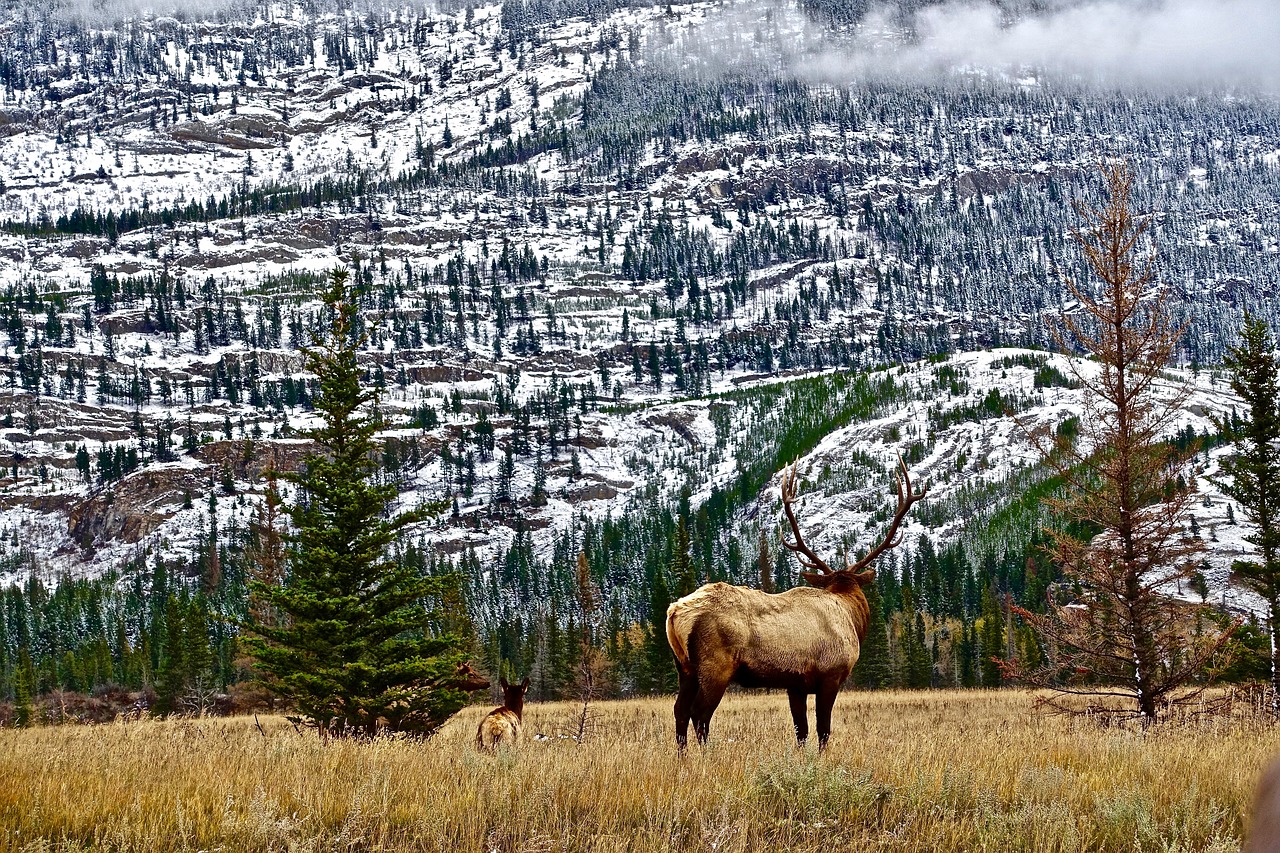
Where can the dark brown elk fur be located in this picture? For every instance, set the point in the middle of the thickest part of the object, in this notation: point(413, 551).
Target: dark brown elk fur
point(467, 679)
point(804, 640)
point(503, 726)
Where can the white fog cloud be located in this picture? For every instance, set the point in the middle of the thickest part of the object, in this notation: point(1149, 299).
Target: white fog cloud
point(1175, 42)
point(1148, 43)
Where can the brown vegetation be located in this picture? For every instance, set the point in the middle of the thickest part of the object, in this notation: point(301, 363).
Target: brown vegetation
point(907, 771)
point(1125, 635)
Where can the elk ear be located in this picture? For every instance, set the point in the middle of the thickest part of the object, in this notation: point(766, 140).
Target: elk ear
point(524, 685)
point(503, 682)
point(818, 580)
point(866, 578)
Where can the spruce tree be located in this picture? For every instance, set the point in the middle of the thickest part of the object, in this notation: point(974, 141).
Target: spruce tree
point(682, 570)
point(875, 668)
point(660, 664)
point(24, 691)
point(1253, 471)
point(359, 651)
point(171, 679)
point(764, 563)
point(991, 642)
point(919, 658)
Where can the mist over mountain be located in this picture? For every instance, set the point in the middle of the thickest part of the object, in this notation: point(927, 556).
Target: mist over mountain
point(1171, 45)
point(1176, 43)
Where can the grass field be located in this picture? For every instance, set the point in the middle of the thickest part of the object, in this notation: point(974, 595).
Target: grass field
point(905, 771)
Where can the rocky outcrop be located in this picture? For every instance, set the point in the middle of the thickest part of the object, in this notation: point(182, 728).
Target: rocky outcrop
point(199, 132)
point(135, 506)
point(249, 460)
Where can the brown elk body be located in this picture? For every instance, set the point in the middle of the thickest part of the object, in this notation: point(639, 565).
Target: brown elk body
point(504, 726)
point(804, 640)
point(1264, 832)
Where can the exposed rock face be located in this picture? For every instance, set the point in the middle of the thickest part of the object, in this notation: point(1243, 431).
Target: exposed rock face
point(250, 461)
point(135, 506)
point(594, 491)
point(201, 133)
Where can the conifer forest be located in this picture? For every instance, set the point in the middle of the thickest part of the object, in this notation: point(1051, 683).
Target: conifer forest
point(608, 268)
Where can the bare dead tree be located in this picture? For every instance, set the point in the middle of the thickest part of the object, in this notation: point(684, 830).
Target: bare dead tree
point(266, 566)
point(200, 700)
point(1123, 542)
point(594, 666)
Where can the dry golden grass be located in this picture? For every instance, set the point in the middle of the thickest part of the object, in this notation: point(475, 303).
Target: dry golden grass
point(906, 771)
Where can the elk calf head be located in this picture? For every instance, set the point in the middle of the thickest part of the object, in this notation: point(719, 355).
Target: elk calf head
point(467, 679)
point(513, 696)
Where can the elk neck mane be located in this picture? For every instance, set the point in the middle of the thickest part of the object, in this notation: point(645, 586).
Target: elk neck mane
point(852, 592)
point(861, 613)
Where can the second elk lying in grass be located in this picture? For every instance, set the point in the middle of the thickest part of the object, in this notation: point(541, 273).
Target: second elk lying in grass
point(804, 640)
point(503, 726)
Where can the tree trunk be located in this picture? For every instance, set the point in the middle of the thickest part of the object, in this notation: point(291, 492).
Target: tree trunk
point(1275, 658)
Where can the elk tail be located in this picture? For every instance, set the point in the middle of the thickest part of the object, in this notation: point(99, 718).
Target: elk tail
point(675, 638)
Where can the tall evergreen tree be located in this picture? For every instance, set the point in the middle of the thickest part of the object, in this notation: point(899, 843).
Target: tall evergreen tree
point(991, 643)
point(918, 659)
point(24, 690)
point(683, 571)
point(171, 675)
point(764, 564)
point(1253, 471)
point(359, 651)
point(661, 671)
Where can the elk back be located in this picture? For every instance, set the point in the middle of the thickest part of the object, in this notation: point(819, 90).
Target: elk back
point(788, 639)
point(500, 727)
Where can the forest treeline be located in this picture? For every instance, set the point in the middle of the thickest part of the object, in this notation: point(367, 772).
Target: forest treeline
point(942, 614)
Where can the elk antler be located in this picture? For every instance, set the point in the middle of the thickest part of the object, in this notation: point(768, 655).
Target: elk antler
point(906, 498)
point(807, 558)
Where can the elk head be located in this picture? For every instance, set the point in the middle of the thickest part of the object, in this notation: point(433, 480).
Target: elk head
point(467, 679)
point(853, 575)
point(513, 695)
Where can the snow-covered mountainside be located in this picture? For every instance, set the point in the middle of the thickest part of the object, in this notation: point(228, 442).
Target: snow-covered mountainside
point(612, 259)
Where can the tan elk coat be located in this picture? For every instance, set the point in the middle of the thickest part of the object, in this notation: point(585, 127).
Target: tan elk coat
point(805, 640)
point(811, 632)
point(500, 727)
point(503, 726)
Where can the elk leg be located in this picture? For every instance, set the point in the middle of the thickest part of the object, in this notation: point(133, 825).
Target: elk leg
point(826, 699)
point(799, 714)
point(704, 705)
point(684, 704)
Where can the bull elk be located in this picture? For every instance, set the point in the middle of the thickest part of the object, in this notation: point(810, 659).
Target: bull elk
point(804, 640)
point(504, 726)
